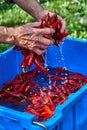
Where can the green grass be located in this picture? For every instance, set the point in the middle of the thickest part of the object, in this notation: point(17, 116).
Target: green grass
point(70, 10)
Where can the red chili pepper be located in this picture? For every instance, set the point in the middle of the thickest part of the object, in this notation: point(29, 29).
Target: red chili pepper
point(34, 101)
point(54, 84)
point(44, 114)
point(41, 25)
point(62, 70)
point(67, 89)
point(60, 93)
point(63, 100)
point(31, 110)
point(77, 77)
point(72, 82)
point(35, 85)
point(51, 94)
point(42, 94)
point(55, 24)
point(35, 72)
point(30, 62)
point(47, 19)
point(40, 67)
point(24, 52)
point(16, 47)
point(47, 36)
point(37, 105)
point(62, 35)
point(22, 87)
point(52, 104)
point(25, 100)
point(55, 77)
point(26, 89)
point(41, 109)
point(24, 63)
point(48, 110)
point(12, 93)
point(61, 87)
point(17, 86)
point(3, 95)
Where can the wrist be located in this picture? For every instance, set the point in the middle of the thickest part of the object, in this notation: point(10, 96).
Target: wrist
point(10, 36)
point(42, 14)
point(5, 35)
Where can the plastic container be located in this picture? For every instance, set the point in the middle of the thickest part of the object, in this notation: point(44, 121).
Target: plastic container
point(72, 114)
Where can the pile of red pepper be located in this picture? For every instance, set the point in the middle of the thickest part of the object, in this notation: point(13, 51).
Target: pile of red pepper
point(42, 101)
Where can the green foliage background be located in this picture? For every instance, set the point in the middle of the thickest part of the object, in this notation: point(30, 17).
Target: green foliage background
point(73, 11)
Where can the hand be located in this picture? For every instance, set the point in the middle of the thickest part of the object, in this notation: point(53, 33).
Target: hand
point(52, 14)
point(32, 38)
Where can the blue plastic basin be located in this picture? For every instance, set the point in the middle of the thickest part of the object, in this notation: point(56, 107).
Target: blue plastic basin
point(72, 114)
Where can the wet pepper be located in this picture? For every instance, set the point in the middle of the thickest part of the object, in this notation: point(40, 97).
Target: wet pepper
point(42, 101)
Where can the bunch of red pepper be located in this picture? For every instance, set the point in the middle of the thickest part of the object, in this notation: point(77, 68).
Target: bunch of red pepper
point(42, 101)
point(56, 24)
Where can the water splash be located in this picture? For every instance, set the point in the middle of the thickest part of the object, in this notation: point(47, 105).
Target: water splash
point(45, 63)
point(49, 83)
point(62, 56)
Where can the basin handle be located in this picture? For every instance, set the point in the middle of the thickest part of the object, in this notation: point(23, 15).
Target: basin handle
point(41, 125)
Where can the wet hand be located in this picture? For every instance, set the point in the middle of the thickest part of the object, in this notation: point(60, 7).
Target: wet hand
point(31, 37)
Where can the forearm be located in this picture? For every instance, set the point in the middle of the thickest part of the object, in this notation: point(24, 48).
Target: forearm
point(5, 35)
point(32, 7)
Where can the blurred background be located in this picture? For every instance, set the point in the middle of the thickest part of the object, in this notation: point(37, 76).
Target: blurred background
point(73, 11)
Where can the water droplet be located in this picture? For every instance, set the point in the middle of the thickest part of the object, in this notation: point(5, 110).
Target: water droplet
point(62, 56)
point(50, 86)
point(45, 64)
point(42, 79)
point(49, 83)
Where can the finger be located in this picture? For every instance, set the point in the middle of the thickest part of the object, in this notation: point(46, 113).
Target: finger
point(31, 37)
point(38, 40)
point(35, 24)
point(41, 46)
point(44, 41)
point(23, 34)
point(35, 32)
point(38, 51)
point(45, 31)
point(63, 28)
point(32, 44)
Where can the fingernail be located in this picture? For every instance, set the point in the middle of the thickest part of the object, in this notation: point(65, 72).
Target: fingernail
point(52, 31)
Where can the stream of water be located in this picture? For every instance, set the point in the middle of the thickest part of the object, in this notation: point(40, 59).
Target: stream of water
point(62, 59)
point(62, 56)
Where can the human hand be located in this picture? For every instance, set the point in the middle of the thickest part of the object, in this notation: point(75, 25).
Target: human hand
point(52, 15)
point(31, 37)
